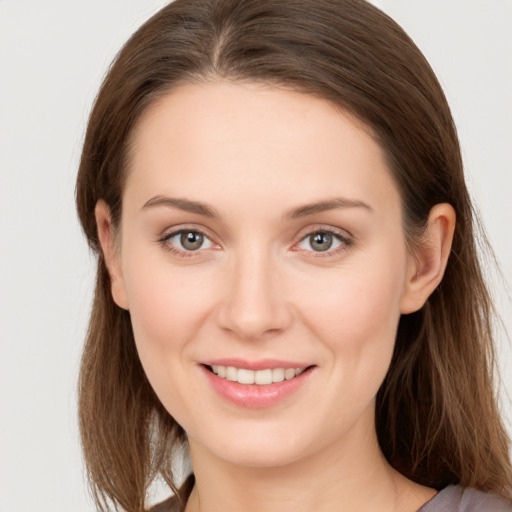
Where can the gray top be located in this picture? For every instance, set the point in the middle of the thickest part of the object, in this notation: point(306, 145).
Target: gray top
point(453, 498)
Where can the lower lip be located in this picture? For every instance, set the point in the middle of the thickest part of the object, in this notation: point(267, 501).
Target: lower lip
point(254, 395)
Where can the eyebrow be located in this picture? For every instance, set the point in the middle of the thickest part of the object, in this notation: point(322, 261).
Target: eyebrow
point(323, 206)
point(296, 213)
point(182, 204)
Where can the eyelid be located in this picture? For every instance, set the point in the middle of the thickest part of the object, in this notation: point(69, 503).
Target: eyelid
point(344, 236)
point(175, 230)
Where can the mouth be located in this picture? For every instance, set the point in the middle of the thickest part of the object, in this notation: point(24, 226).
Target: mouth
point(259, 383)
point(263, 377)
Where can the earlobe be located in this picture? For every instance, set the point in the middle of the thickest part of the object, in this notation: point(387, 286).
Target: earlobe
point(428, 264)
point(106, 235)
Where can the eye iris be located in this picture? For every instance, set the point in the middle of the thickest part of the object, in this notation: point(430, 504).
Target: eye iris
point(191, 240)
point(321, 241)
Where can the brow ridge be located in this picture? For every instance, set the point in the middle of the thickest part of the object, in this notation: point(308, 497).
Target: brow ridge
point(302, 211)
point(182, 204)
point(329, 204)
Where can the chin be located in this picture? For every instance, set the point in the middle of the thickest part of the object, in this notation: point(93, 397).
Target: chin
point(256, 448)
point(260, 457)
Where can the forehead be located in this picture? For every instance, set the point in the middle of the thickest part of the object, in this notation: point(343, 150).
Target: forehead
point(204, 139)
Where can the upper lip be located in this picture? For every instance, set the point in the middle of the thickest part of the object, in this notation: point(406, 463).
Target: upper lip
point(260, 364)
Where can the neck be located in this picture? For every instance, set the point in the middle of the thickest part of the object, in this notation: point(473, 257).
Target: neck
point(351, 475)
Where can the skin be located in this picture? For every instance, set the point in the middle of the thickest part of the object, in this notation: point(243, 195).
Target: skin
point(257, 289)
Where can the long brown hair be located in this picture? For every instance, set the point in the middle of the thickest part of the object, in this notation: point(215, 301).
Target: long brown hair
point(437, 418)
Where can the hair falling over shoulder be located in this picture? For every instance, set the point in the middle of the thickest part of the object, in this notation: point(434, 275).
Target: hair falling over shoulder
point(437, 415)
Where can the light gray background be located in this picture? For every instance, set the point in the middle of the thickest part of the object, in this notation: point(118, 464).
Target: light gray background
point(53, 55)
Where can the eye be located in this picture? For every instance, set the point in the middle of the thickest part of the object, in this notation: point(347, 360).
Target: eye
point(323, 241)
point(187, 240)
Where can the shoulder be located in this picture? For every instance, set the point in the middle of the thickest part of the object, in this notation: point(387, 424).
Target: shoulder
point(169, 505)
point(455, 498)
point(173, 504)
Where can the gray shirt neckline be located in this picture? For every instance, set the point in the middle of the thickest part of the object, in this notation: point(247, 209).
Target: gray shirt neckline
point(456, 498)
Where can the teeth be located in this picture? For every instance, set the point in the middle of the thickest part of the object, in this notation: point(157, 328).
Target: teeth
point(277, 374)
point(261, 377)
point(289, 373)
point(245, 376)
point(232, 373)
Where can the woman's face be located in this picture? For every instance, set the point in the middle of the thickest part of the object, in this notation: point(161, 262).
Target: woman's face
point(261, 233)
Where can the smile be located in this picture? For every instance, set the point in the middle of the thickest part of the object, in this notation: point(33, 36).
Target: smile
point(268, 383)
point(260, 377)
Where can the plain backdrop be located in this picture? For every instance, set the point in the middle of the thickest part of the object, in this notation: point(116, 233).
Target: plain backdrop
point(53, 55)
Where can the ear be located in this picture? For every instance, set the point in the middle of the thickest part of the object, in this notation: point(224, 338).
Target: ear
point(106, 235)
point(428, 263)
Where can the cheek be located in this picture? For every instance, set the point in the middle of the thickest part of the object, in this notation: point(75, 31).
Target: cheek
point(356, 323)
point(166, 308)
point(360, 301)
point(168, 304)
point(356, 314)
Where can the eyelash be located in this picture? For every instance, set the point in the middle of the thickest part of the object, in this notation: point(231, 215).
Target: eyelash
point(164, 241)
point(345, 242)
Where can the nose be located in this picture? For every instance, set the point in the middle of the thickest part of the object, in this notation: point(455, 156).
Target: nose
point(254, 305)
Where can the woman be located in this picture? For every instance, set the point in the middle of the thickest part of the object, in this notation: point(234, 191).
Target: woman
point(288, 287)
